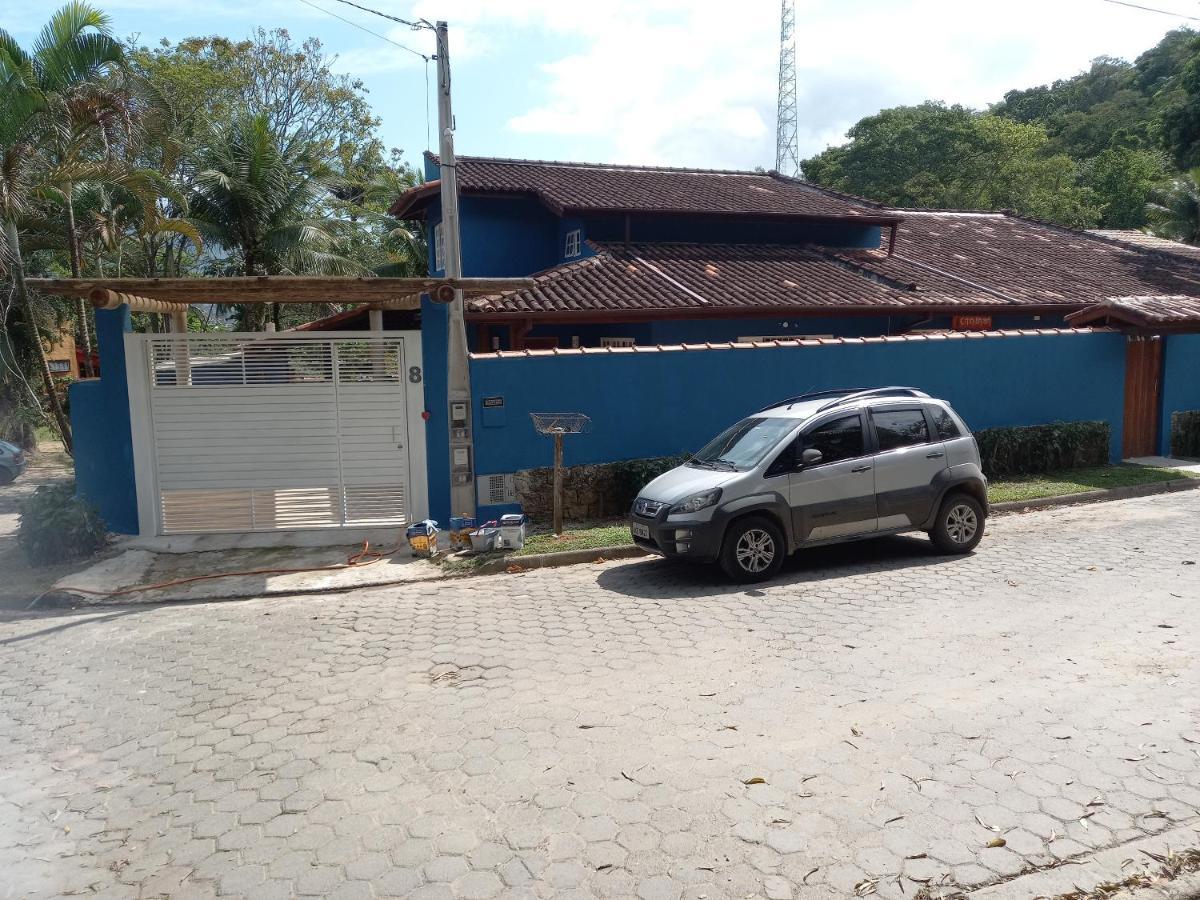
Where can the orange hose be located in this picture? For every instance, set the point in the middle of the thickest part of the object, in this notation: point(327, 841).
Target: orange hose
point(353, 561)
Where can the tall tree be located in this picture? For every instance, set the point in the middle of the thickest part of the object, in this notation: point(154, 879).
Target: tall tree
point(65, 72)
point(1175, 212)
point(259, 199)
point(950, 156)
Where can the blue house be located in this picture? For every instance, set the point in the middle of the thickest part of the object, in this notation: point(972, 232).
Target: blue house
point(643, 256)
point(720, 290)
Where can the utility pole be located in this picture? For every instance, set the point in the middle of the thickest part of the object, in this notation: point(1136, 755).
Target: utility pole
point(462, 474)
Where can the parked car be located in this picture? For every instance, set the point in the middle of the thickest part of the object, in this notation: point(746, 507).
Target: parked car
point(817, 469)
point(12, 462)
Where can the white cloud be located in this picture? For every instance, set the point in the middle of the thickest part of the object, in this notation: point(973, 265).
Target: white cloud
point(678, 82)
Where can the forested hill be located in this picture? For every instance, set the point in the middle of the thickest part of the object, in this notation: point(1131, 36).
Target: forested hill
point(1091, 150)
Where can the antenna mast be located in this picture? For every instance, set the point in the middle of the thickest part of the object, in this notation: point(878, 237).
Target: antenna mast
point(787, 143)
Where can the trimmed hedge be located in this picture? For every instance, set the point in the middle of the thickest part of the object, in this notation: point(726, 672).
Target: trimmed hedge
point(1033, 449)
point(1185, 433)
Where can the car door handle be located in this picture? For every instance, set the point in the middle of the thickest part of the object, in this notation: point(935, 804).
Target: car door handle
point(859, 469)
point(936, 454)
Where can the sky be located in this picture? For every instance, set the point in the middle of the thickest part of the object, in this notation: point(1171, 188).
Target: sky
point(665, 82)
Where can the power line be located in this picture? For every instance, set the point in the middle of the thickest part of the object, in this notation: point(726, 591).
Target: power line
point(416, 26)
point(1165, 12)
point(368, 30)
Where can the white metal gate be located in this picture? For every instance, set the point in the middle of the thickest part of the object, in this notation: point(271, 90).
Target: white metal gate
point(263, 432)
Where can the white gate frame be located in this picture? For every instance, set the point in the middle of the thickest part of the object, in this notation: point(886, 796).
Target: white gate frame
point(141, 419)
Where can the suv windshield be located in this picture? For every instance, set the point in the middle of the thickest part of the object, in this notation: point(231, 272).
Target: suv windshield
point(744, 445)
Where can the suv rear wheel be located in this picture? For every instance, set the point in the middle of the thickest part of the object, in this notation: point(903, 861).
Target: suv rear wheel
point(754, 550)
point(959, 526)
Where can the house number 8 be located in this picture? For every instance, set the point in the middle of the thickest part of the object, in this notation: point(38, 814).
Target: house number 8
point(414, 374)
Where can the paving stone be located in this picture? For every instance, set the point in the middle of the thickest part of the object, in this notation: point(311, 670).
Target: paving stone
point(404, 744)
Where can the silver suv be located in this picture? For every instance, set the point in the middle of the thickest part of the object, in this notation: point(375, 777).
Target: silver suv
point(818, 469)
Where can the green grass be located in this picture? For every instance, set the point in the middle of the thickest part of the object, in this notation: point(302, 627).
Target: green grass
point(577, 539)
point(1077, 481)
point(592, 538)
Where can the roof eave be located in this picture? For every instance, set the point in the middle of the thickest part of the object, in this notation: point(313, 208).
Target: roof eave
point(413, 202)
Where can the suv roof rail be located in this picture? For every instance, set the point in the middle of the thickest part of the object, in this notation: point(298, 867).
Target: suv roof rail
point(813, 395)
point(894, 391)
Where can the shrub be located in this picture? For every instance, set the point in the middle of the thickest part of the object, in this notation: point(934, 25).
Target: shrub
point(631, 475)
point(57, 526)
point(1185, 433)
point(1033, 449)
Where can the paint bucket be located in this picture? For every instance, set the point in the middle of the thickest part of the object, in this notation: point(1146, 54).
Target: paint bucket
point(460, 532)
point(512, 531)
point(423, 538)
point(484, 537)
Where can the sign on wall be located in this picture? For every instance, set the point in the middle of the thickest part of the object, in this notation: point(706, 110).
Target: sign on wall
point(972, 323)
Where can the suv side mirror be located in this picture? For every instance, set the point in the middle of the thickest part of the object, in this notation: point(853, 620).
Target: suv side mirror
point(811, 457)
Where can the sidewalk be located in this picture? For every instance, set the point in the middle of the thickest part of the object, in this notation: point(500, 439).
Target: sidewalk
point(165, 561)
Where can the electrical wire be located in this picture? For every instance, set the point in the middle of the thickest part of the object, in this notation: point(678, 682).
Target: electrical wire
point(416, 26)
point(367, 30)
point(1165, 12)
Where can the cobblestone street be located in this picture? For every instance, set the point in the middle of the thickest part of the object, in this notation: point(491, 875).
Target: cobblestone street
point(623, 729)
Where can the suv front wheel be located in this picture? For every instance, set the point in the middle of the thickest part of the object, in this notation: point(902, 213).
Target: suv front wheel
point(959, 526)
point(754, 550)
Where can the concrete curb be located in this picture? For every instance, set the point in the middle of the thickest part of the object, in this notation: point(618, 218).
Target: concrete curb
point(1185, 887)
point(1100, 867)
point(1119, 493)
point(562, 558)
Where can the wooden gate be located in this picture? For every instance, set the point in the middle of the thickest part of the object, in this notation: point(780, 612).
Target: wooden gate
point(1143, 385)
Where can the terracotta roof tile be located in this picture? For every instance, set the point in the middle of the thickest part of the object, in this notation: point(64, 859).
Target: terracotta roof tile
point(1023, 261)
point(1146, 311)
point(1148, 242)
point(585, 187)
point(655, 278)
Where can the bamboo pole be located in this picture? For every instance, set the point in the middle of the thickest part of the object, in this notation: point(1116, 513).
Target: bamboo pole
point(102, 298)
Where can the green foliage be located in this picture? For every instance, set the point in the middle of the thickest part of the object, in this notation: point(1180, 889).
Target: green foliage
point(1032, 449)
point(631, 475)
point(1123, 182)
point(952, 157)
point(1087, 150)
point(1174, 211)
point(1185, 434)
point(56, 526)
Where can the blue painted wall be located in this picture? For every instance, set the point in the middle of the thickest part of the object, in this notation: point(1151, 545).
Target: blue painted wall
point(1180, 383)
point(100, 423)
point(662, 403)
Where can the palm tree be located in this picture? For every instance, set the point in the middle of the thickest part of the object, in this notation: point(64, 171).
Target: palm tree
point(260, 201)
point(1175, 212)
point(69, 56)
point(64, 76)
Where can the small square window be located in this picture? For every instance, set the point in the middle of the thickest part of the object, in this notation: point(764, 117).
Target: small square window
point(439, 248)
point(572, 245)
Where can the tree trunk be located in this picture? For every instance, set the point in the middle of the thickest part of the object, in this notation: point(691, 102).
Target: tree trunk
point(81, 308)
point(18, 268)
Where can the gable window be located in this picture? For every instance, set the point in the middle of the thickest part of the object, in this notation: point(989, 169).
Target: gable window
point(439, 248)
point(572, 244)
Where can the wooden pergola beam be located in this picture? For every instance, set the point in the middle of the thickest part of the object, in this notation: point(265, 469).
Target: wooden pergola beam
point(396, 293)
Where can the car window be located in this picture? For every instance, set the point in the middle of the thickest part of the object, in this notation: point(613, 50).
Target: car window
point(900, 428)
point(744, 445)
point(944, 423)
point(837, 439)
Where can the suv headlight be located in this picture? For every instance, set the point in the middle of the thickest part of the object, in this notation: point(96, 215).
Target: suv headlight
point(697, 502)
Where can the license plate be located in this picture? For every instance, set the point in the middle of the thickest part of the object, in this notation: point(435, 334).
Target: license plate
point(639, 530)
